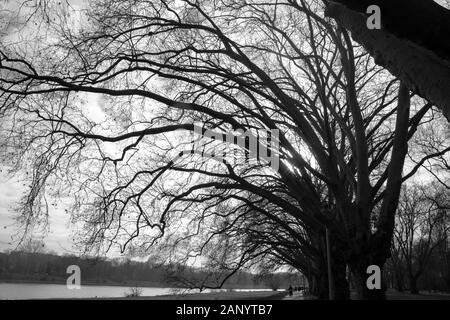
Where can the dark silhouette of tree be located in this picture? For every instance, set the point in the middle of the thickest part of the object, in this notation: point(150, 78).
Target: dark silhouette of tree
point(159, 67)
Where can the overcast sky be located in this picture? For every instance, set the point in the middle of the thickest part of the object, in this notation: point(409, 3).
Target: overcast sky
point(58, 239)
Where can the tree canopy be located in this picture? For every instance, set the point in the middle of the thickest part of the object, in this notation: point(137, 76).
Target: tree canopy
point(102, 104)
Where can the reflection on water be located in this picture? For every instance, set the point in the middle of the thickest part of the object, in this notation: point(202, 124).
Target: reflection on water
point(47, 291)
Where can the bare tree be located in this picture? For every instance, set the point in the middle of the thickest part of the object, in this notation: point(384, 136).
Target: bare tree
point(419, 230)
point(32, 246)
point(158, 67)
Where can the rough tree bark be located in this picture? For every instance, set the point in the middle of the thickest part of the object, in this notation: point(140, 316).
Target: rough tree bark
point(423, 22)
point(318, 281)
point(399, 283)
point(341, 284)
point(413, 284)
point(359, 272)
point(411, 44)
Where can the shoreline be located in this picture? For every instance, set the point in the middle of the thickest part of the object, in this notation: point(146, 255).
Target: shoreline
point(236, 295)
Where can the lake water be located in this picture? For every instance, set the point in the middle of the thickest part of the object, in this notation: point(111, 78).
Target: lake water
point(14, 291)
point(48, 291)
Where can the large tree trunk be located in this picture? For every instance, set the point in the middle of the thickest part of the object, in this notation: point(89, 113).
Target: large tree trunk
point(413, 285)
point(360, 276)
point(311, 285)
point(447, 282)
point(421, 69)
point(319, 285)
point(339, 270)
point(376, 249)
point(399, 282)
point(322, 287)
point(341, 285)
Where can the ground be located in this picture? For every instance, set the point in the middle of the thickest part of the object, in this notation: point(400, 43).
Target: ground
point(277, 295)
point(391, 295)
point(271, 295)
point(260, 295)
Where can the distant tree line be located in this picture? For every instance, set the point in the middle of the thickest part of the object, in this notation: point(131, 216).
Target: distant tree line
point(420, 252)
point(25, 266)
point(32, 266)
